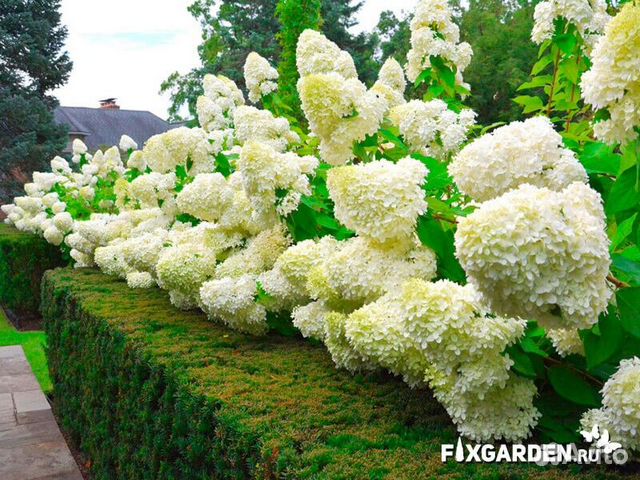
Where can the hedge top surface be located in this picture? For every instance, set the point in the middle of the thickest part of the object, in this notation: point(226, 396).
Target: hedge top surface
point(309, 419)
point(9, 233)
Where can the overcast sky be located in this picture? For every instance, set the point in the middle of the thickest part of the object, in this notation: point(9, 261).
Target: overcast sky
point(126, 48)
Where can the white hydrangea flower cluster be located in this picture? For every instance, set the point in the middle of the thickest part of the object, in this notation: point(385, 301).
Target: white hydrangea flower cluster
point(566, 341)
point(43, 210)
point(185, 264)
point(103, 230)
point(433, 34)
point(253, 125)
point(230, 296)
point(153, 190)
point(286, 283)
point(259, 76)
point(539, 254)
point(356, 271)
point(339, 108)
point(391, 83)
point(613, 82)
point(188, 147)
point(80, 151)
point(589, 16)
point(430, 128)
point(437, 333)
point(340, 277)
point(620, 412)
point(379, 200)
point(127, 144)
point(316, 54)
point(266, 172)
point(215, 108)
point(522, 152)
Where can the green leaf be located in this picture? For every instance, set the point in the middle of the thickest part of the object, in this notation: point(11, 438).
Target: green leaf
point(536, 82)
point(431, 234)
point(571, 71)
point(597, 157)
point(328, 222)
point(530, 346)
point(223, 165)
point(302, 223)
point(186, 218)
point(623, 194)
point(530, 104)
point(628, 300)
point(397, 141)
point(571, 386)
point(601, 347)
point(181, 172)
point(622, 233)
point(424, 77)
point(566, 42)
point(627, 266)
point(438, 178)
point(522, 363)
point(541, 64)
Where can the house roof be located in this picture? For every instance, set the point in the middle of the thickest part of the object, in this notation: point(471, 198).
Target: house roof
point(102, 127)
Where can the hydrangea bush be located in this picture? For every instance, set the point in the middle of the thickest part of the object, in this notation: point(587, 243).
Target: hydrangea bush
point(496, 266)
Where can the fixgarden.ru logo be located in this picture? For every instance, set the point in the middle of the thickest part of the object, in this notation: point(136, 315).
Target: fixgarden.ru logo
point(601, 451)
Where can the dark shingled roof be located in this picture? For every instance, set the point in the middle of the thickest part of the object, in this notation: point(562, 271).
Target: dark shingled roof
point(102, 126)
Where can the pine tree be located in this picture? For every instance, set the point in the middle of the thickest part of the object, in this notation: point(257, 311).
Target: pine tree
point(32, 63)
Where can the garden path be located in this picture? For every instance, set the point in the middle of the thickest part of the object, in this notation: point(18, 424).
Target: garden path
point(31, 444)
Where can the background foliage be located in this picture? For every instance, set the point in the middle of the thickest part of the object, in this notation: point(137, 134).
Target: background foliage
point(32, 63)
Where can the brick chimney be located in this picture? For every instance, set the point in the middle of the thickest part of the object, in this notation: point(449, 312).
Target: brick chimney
point(109, 104)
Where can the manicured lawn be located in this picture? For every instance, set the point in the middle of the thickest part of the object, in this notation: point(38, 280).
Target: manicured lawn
point(33, 344)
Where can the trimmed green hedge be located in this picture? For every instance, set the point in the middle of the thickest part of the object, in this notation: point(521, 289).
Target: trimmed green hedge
point(149, 392)
point(24, 257)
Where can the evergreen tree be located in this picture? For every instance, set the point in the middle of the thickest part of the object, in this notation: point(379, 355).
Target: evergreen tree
point(295, 17)
point(32, 63)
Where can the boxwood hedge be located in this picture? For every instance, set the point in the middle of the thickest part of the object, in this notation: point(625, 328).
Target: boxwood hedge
point(24, 257)
point(149, 392)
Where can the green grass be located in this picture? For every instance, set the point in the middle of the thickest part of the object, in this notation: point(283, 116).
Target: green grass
point(33, 344)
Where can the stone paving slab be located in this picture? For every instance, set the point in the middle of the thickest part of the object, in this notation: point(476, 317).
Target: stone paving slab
point(31, 444)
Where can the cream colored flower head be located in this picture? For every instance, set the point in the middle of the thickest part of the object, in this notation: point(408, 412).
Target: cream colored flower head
point(317, 54)
point(613, 82)
point(433, 33)
point(391, 83)
point(539, 254)
point(588, 16)
point(522, 152)
point(260, 77)
point(379, 200)
point(340, 112)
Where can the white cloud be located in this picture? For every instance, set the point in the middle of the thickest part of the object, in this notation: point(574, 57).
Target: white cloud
point(126, 48)
point(370, 13)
